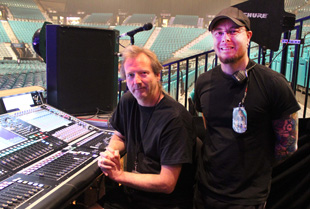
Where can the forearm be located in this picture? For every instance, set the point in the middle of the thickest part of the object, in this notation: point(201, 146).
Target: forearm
point(164, 182)
point(286, 131)
point(116, 142)
point(110, 164)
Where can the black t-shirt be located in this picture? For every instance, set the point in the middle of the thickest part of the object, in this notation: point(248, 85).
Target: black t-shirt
point(160, 135)
point(237, 167)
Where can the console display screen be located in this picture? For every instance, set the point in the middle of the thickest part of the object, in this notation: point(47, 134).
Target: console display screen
point(8, 138)
point(18, 102)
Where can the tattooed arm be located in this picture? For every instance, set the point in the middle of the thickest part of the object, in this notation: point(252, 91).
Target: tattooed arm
point(286, 130)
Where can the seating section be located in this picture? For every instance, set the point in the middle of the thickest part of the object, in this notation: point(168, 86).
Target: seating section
point(141, 18)
point(205, 44)
point(139, 38)
point(300, 5)
point(98, 18)
point(26, 13)
point(19, 3)
point(186, 20)
point(18, 80)
point(25, 66)
point(4, 52)
point(24, 30)
point(171, 39)
point(3, 35)
point(23, 74)
point(23, 9)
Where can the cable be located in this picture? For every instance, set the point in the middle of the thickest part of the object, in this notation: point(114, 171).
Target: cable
point(92, 116)
point(289, 37)
point(121, 45)
point(103, 112)
point(277, 54)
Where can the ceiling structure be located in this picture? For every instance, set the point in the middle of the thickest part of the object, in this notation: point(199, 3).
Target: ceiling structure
point(299, 7)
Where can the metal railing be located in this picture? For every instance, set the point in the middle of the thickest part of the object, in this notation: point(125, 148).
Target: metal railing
point(179, 77)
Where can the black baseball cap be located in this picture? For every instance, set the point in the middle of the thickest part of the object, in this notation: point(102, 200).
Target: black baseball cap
point(234, 14)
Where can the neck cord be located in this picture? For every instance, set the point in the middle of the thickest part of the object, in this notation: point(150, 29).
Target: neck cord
point(139, 145)
point(247, 85)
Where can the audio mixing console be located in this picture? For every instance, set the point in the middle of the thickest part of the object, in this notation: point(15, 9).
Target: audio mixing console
point(46, 156)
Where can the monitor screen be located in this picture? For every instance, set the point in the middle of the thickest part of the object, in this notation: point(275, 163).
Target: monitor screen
point(40, 118)
point(8, 138)
point(18, 102)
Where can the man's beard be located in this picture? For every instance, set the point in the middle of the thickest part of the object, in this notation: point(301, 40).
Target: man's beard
point(229, 60)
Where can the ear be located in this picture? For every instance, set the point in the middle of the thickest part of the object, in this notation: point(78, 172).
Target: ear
point(158, 77)
point(249, 35)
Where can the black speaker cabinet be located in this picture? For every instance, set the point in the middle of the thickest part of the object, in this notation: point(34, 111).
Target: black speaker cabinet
point(82, 69)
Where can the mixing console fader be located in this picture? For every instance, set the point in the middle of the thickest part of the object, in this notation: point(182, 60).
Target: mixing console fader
point(44, 154)
point(97, 141)
point(17, 191)
point(59, 165)
point(27, 152)
point(4, 173)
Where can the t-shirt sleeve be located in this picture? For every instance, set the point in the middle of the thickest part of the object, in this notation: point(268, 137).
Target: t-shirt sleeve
point(283, 98)
point(197, 96)
point(117, 120)
point(177, 142)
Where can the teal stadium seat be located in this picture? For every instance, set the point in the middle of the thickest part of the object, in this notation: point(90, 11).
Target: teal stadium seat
point(205, 44)
point(20, 3)
point(186, 20)
point(171, 39)
point(26, 13)
point(3, 36)
point(141, 18)
point(27, 73)
point(4, 52)
point(24, 30)
point(98, 18)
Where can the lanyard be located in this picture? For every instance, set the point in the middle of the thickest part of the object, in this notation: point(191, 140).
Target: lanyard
point(139, 145)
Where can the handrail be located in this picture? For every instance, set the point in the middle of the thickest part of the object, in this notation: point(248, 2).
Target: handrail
point(177, 71)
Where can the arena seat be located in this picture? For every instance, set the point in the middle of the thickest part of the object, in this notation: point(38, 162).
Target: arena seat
point(24, 30)
point(4, 52)
point(98, 18)
point(205, 44)
point(140, 19)
point(26, 13)
point(25, 73)
point(20, 3)
point(186, 20)
point(3, 35)
point(171, 39)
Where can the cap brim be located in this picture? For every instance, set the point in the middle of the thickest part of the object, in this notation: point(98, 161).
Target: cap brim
point(216, 19)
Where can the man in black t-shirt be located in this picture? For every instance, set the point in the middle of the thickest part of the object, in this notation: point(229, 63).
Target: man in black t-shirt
point(158, 136)
point(250, 114)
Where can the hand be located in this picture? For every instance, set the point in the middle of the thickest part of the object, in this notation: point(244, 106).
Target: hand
point(109, 163)
point(105, 160)
point(116, 170)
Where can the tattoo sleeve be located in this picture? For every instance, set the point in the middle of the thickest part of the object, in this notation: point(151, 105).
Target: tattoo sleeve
point(286, 131)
